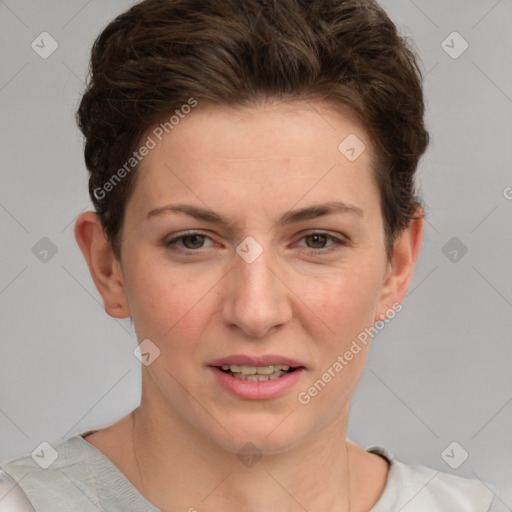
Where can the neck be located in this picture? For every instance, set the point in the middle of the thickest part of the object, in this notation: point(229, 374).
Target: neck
point(170, 454)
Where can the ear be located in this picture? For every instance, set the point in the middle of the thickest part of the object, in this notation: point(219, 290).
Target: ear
point(401, 266)
point(105, 269)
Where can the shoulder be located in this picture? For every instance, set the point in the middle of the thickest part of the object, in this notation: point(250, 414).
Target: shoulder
point(74, 476)
point(53, 477)
point(12, 497)
point(417, 488)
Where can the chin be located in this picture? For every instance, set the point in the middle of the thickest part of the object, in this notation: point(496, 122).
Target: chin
point(260, 436)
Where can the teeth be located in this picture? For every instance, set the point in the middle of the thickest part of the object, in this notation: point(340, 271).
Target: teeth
point(255, 370)
point(257, 377)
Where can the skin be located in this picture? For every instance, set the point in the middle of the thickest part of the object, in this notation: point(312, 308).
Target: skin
point(250, 165)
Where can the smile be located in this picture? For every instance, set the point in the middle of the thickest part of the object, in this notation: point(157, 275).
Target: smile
point(257, 373)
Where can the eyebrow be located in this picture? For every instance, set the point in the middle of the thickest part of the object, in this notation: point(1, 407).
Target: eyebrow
point(289, 217)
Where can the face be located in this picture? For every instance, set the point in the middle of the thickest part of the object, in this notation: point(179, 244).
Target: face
point(243, 272)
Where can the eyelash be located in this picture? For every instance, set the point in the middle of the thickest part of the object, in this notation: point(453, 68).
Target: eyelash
point(337, 245)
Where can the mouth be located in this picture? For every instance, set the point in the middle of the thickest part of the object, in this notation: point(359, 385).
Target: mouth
point(257, 377)
point(257, 373)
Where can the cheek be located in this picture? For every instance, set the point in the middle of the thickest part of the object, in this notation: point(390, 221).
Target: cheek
point(346, 306)
point(166, 304)
point(344, 301)
point(332, 304)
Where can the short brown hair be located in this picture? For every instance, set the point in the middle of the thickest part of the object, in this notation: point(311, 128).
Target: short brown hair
point(150, 60)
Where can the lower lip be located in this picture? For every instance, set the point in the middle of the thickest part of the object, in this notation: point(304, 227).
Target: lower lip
point(257, 390)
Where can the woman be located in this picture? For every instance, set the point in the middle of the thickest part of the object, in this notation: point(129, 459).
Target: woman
point(252, 170)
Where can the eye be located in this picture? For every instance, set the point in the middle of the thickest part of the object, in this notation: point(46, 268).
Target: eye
point(318, 241)
point(191, 241)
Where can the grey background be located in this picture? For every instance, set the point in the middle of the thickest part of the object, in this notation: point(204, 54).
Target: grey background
point(440, 372)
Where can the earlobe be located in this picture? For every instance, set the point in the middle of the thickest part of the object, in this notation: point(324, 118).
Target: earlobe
point(401, 267)
point(104, 268)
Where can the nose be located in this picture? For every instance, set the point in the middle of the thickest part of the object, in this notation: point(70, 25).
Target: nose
point(256, 298)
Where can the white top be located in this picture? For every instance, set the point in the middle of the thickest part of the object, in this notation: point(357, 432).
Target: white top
point(82, 479)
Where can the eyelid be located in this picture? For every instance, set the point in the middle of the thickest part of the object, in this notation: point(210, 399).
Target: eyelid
point(321, 232)
point(184, 234)
point(337, 241)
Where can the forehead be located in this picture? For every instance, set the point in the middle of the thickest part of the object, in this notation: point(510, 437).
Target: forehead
point(272, 153)
point(266, 130)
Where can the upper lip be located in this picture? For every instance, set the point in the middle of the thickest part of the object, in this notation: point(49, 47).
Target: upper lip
point(263, 360)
